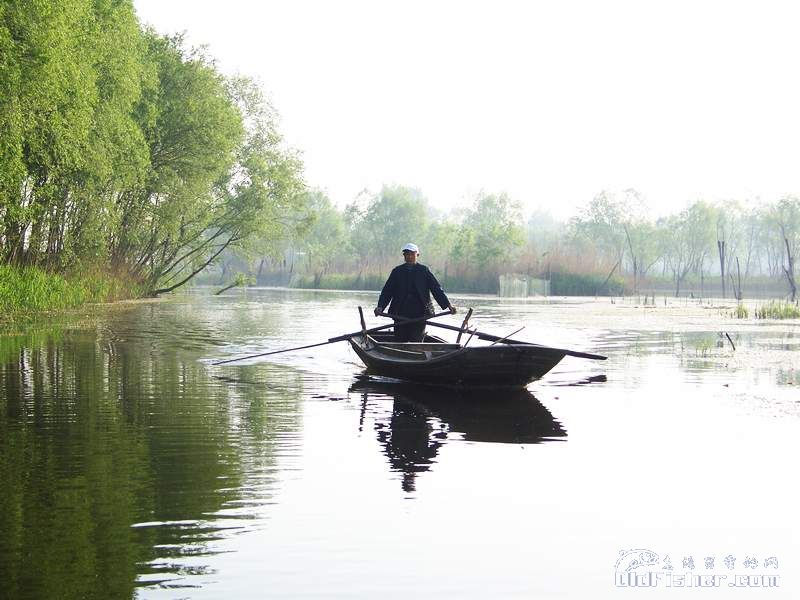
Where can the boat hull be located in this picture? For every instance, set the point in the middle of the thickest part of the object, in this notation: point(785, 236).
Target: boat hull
point(500, 365)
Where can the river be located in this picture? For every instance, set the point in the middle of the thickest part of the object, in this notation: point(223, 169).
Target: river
point(130, 466)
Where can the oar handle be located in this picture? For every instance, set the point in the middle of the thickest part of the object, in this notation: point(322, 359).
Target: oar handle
point(404, 320)
point(347, 336)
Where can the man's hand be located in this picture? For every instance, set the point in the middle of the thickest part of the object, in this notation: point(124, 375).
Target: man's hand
point(377, 311)
point(452, 309)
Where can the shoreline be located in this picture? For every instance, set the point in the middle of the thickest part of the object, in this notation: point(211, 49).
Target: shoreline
point(42, 316)
point(708, 310)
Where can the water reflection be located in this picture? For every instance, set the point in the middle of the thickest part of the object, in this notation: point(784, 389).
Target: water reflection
point(123, 461)
point(424, 418)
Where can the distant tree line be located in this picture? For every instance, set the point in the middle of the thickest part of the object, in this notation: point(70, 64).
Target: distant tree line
point(127, 151)
point(722, 246)
point(354, 247)
point(613, 245)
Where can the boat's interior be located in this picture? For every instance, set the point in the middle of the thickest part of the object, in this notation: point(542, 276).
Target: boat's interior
point(432, 346)
point(387, 339)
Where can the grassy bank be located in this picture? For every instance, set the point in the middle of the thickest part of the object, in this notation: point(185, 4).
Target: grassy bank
point(31, 289)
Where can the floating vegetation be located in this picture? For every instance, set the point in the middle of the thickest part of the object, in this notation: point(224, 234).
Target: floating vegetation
point(776, 309)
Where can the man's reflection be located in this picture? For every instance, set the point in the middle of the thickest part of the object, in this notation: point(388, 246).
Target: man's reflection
point(423, 419)
point(408, 442)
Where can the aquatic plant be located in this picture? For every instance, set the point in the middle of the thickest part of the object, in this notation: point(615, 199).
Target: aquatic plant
point(776, 309)
point(740, 312)
point(703, 347)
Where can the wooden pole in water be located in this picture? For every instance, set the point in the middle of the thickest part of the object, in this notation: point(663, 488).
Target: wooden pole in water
point(363, 322)
point(464, 325)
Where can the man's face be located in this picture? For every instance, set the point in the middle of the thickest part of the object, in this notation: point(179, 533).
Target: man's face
point(410, 257)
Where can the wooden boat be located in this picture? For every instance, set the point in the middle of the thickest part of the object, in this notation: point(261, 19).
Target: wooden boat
point(504, 363)
point(435, 361)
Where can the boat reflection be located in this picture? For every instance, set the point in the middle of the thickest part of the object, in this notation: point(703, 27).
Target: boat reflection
point(424, 418)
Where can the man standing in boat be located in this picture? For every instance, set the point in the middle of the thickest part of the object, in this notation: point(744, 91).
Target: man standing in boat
point(409, 290)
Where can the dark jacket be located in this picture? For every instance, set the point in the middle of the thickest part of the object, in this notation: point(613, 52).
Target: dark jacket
point(417, 281)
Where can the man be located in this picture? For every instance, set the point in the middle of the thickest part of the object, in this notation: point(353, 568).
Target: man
point(409, 289)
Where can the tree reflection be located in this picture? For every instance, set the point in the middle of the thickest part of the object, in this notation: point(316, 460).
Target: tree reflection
point(424, 418)
point(122, 459)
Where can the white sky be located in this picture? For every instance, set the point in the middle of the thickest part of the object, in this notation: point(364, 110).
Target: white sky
point(548, 101)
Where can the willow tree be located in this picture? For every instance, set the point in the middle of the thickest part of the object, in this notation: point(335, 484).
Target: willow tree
point(490, 235)
point(70, 74)
point(688, 237)
point(395, 216)
point(124, 149)
point(616, 225)
point(325, 240)
point(600, 226)
point(218, 172)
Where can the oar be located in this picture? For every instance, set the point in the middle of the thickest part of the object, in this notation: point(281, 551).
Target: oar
point(338, 338)
point(505, 340)
point(505, 337)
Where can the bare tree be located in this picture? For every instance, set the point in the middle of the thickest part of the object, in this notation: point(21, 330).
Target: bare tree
point(786, 216)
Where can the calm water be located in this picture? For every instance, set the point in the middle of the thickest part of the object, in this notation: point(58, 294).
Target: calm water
point(131, 467)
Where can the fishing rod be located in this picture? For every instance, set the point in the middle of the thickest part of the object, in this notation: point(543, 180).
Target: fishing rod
point(338, 338)
point(504, 340)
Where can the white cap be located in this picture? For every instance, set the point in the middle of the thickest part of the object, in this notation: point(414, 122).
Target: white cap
point(411, 247)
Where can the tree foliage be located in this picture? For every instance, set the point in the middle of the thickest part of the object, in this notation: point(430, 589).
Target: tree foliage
point(688, 239)
point(325, 240)
point(125, 149)
point(490, 234)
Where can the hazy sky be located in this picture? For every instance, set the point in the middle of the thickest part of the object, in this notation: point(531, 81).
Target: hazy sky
point(548, 101)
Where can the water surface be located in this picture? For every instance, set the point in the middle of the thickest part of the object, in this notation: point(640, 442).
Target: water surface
point(132, 467)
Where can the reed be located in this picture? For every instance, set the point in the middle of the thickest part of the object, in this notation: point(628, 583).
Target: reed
point(336, 281)
point(776, 309)
point(740, 312)
point(703, 347)
point(585, 284)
